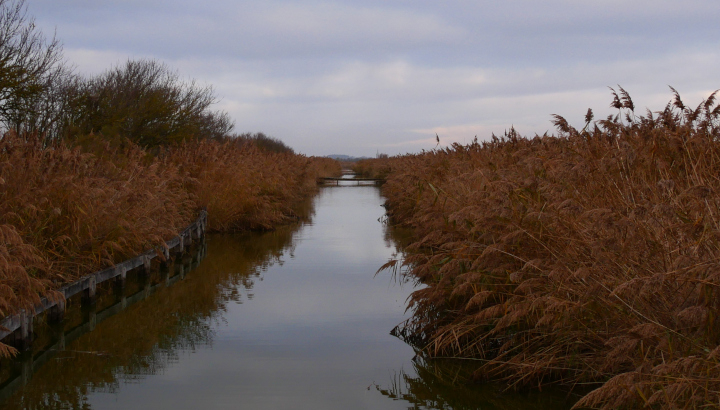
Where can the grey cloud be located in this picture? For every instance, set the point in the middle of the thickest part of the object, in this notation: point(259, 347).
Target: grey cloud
point(374, 115)
point(489, 32)
point(262, 30)
point(350, 76)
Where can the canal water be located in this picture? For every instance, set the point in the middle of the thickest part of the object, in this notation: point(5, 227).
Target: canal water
point(296, 318)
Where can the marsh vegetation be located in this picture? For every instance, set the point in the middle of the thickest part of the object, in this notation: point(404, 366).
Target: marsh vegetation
point(586, 257)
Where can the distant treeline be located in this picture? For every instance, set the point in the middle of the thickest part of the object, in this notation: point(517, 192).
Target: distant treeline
point(264, 142)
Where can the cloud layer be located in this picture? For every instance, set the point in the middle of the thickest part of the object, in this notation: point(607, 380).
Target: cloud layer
point(360, 77)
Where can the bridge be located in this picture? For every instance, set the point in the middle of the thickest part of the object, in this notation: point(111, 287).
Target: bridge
point(327, 180)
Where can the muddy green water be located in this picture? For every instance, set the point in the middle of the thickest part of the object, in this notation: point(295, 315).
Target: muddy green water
point(290, 319)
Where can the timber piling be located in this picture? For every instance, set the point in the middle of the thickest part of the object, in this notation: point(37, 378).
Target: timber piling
point(29, 361)
point(21, 325)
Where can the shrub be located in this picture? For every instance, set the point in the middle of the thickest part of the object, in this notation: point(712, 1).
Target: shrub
point(146, 102)
point(264, 142)
point(30, 67)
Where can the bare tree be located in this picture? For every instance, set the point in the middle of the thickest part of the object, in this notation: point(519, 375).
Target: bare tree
point(147, 102)
point(30, 65)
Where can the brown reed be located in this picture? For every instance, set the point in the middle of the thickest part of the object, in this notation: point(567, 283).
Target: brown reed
point(66, 212)
point(587, 257)
point(245, 187)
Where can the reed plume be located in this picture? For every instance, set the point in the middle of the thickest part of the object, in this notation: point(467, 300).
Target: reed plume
point(584, 257)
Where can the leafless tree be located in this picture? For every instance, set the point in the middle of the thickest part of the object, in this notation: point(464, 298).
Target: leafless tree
point(30, 66)
point(147, 102)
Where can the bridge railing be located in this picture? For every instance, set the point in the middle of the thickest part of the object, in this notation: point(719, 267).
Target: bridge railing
point(324, 180)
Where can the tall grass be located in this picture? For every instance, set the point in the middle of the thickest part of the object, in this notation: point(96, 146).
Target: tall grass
point(372, 168)
point(587, 257)
point(66, 211)
point(76, 212)
point(244, 186)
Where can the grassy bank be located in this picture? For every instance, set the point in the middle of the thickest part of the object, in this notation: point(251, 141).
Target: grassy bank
point(66, 211)
point(590, 257)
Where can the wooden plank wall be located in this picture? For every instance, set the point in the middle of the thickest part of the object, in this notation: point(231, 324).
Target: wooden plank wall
point(31, 364)
point(87, 284)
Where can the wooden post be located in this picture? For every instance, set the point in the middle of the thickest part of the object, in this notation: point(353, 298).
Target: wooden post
point(26, 370)
point(147, 263)
point(92, 319)
point(121, 278)
point(199, 253)
point(26, 329)
point(166, 254)
point(57, 313)
point(189, 242)
point(181, 247)
point(90, 293)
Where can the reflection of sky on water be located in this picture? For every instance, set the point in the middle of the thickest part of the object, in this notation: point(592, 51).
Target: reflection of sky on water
point(254, 327)
point(345, 234)
point(315, 334)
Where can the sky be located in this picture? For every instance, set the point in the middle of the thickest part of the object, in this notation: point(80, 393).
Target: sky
point(366, 77)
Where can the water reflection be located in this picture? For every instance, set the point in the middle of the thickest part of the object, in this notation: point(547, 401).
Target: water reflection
point(444, 384)
point(289, 319)
point(159, 319)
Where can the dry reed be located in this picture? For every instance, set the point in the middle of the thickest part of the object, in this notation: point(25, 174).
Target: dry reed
point(245, 187)
point(588, 257)
point(66, 212)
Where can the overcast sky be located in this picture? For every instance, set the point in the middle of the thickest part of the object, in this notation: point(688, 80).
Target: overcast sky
point(361, 77)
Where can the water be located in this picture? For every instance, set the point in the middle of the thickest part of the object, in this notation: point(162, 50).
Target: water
point(290, 319)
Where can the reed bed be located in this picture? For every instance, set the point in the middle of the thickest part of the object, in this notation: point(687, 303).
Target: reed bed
point(245, 187)
point(69, 212)
point(378, 168)
point(66, 211)
point(587, 257)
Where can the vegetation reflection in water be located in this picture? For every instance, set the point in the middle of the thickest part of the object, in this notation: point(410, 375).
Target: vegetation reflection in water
point(148, 336)
point(442, 384)
point(447, 383)
point(155, 334)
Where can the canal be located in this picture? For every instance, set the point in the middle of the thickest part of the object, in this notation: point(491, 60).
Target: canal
point(290, 319)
